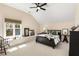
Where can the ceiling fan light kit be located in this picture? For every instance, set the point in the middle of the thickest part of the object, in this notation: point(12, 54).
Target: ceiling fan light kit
point(38, 8)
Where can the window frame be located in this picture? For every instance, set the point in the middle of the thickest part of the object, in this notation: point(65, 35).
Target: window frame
point(12, 36)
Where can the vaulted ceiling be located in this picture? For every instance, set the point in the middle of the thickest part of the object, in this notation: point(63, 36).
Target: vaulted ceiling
point(55, 12)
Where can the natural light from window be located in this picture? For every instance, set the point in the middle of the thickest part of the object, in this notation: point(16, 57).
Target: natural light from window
point(16, 48)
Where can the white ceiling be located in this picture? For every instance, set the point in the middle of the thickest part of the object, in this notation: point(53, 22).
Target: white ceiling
point(55, 12)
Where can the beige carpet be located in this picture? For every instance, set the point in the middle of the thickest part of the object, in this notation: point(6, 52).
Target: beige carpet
point(36, 49)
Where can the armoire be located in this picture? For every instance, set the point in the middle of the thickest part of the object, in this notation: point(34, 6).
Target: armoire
point(74, 43)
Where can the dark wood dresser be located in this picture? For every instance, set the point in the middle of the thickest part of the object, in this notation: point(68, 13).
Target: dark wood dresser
point(74, 43)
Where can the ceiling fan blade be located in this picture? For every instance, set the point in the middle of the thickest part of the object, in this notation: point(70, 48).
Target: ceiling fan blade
point(36, 3)
point(42, 8)
point(33, 7)
point(43, 4)
point(37, 10)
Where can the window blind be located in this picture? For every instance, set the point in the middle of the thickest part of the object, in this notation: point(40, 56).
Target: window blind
point(13, 20)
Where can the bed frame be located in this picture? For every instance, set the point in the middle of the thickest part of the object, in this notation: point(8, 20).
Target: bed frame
point(46, 41)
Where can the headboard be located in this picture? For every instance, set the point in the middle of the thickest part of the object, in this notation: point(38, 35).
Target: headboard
point(54, 32)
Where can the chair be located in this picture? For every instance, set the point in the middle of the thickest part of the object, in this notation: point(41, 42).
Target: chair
point(3, 44)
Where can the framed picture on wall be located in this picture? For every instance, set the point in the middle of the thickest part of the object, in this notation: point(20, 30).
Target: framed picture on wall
point(31, 32)
point(26, 31)
point(65, 31)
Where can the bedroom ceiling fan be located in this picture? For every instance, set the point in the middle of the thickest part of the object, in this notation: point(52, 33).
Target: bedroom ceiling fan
point(39, 6)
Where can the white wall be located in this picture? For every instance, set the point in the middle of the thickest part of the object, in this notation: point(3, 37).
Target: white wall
point(58, 16)
point(1, 26)
point(58, 26)
point(28, 21)
point(77, 15)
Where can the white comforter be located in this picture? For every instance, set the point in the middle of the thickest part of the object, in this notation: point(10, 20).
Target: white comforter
point(55, 37)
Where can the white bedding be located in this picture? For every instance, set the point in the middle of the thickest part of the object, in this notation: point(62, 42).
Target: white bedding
point(55, 37)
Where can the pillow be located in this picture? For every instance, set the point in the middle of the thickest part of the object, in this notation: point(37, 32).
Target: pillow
point(44, 35)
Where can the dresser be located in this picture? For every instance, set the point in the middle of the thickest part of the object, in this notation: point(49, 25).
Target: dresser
point(74, 43)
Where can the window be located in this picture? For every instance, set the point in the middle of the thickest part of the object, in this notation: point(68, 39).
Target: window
point(9, 29)
point(12, 30)
point(17, 29)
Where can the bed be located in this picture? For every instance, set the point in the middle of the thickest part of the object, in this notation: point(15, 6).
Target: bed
point(47, 39)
